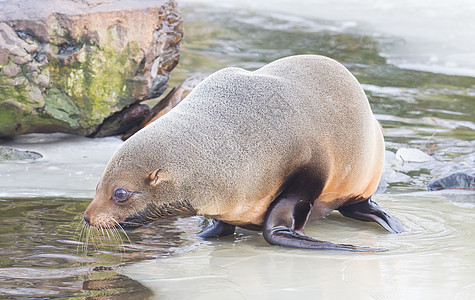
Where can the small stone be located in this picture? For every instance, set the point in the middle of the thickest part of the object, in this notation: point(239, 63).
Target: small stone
point(11, 154)
point(11, 70)
point(43, 78)
point(20, 60)
point(3, 57)
point(36, 97)
point(33, 77)
point(454, 181)
point(34, 66)
point(412, 155)
point(81, 55)
point(16, 81)
point(17, 51)
point(7, 35)
point(31, 46)
point(41, 58)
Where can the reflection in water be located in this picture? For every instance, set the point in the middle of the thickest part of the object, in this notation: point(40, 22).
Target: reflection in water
point(114, 286)
point(41, 254)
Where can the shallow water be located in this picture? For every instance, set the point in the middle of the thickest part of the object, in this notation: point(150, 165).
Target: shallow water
point(431, 260)
point(43, 255)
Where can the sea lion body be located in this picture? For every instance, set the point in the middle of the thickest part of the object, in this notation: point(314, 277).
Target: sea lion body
point(299, 128)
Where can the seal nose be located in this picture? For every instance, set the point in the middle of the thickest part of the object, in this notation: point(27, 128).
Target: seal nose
point(86, 218)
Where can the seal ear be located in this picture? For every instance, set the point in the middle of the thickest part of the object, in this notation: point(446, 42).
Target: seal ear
point(157, 176)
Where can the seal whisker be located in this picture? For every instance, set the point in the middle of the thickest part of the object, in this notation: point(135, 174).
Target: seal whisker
point(101, 238)
point(117, 237)
point(95, 237)
point(81, 237)
point(113, 239)
point(88, 238)
point(79, 226)
point(86, 234)
point(107, 231)
point(91, 237)
point(85, 238)
point(122, 230)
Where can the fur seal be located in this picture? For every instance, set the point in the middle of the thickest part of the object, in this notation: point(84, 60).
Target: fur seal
point(264, 150)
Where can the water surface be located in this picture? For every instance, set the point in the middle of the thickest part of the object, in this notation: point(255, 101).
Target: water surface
point(431, 260)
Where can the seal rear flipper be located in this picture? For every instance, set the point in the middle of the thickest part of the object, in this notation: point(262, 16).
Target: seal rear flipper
point(369, 211)
point(284, 224)
point(219, 228)
point(286, 238)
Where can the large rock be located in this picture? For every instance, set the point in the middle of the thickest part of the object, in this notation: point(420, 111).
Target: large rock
point(67, 65)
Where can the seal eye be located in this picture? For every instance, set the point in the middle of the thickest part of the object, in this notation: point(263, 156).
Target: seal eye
point(121, 195)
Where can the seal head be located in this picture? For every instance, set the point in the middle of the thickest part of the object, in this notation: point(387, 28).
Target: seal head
point(130, 195)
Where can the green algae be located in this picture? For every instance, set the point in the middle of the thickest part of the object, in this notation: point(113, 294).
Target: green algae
point(59, 106)
point(7, 116)
point(84, 88)
point(22, 105)
point(98, 86)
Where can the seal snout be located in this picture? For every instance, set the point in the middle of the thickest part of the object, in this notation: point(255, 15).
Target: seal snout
point(86, 219)
point(99, 221)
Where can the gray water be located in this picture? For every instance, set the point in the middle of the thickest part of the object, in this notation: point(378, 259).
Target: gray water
point(42, 252)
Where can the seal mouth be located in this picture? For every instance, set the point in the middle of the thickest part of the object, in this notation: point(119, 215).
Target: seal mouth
point(153, 211)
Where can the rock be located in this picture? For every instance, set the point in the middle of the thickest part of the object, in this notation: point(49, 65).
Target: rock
point(454, 181)
point(123, 121)
point(412, 155)
point(8, 154)
point(382, 186)
point(11, 70)
point(88, 60)
point(168, 102)
point(458, 173)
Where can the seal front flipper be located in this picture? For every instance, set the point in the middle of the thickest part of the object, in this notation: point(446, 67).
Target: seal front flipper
point(284, 224)
point(369, 211)
point(219, 228)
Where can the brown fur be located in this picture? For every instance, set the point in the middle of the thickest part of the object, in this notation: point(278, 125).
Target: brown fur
point(228, 149)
